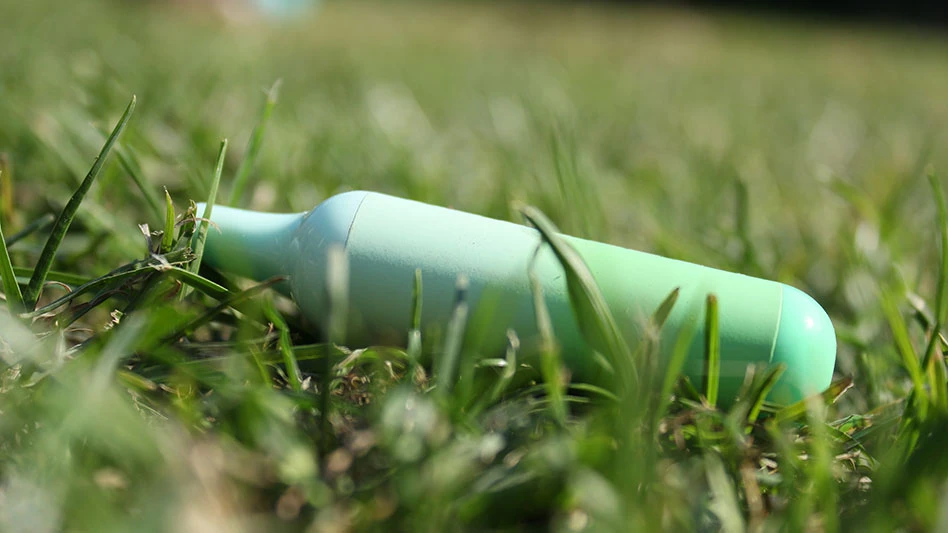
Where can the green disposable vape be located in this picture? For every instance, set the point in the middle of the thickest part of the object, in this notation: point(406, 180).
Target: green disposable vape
point(387, 238)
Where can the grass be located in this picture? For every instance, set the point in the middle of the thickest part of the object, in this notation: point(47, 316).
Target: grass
point(782, 149)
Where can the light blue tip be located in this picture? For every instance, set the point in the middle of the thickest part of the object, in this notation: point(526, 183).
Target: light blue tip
point(806, 344)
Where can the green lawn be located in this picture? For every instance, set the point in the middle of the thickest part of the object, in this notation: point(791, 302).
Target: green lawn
point(160, 399)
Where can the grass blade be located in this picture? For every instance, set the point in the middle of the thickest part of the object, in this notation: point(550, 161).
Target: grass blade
point(234, 301)
point(712, 346)
point(167, 236)
point(798, 410)
point(550, 364)
point(757, 401)
point(820, 465)
point(589, 307)
point(742, 223)
point(510, 368)
point(253, 147)
point(10, 287)
point(938, 381)
point(903, 342)
point(665, 308)
point(45, 262)
point(6, 189)
point(594, 390)
point(127, 335)
point(922, 316)
point(200, 283)
point(337, 293)
point(200, 234)
point(416, 299)
point(286, 349)
point(414, 334)
point(676, 362)
point(39, 224)
point(337, 314)
point(112, 279)
point(724, 501)
point(454, 337)
point(54, 275)
point(131, 166)
point(941, 305)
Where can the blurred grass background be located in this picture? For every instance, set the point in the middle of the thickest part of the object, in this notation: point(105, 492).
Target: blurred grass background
point(786, 149)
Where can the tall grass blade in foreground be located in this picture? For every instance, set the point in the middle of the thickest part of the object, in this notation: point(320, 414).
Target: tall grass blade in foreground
point(446, 369)
point(129, 163)
point(589, 306)
point(724, 501)
point(796, 411)
point(510, 368)
point(903, 341)
point(676, 361)
point(167, 233)
point(742, 223)
point(413, 350)
point(112, 279)
point(253, 147)
point(200, 234)
point(665, 308)
point(286, 349)
point(39, 224)
point(65, 278)
point(10, 287)
point(820, 465)
point(69, 212)
point(757, 402)
point(199, 283)
point(941, 298)
point(234, 302)
point(335, 326)
point(550, 363)
point(6, 189)
point(712, 346)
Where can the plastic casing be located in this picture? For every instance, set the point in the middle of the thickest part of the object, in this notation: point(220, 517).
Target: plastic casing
point(387, 238)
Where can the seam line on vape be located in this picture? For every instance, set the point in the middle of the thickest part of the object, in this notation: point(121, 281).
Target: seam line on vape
point(345, 243)
point(773, 345)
